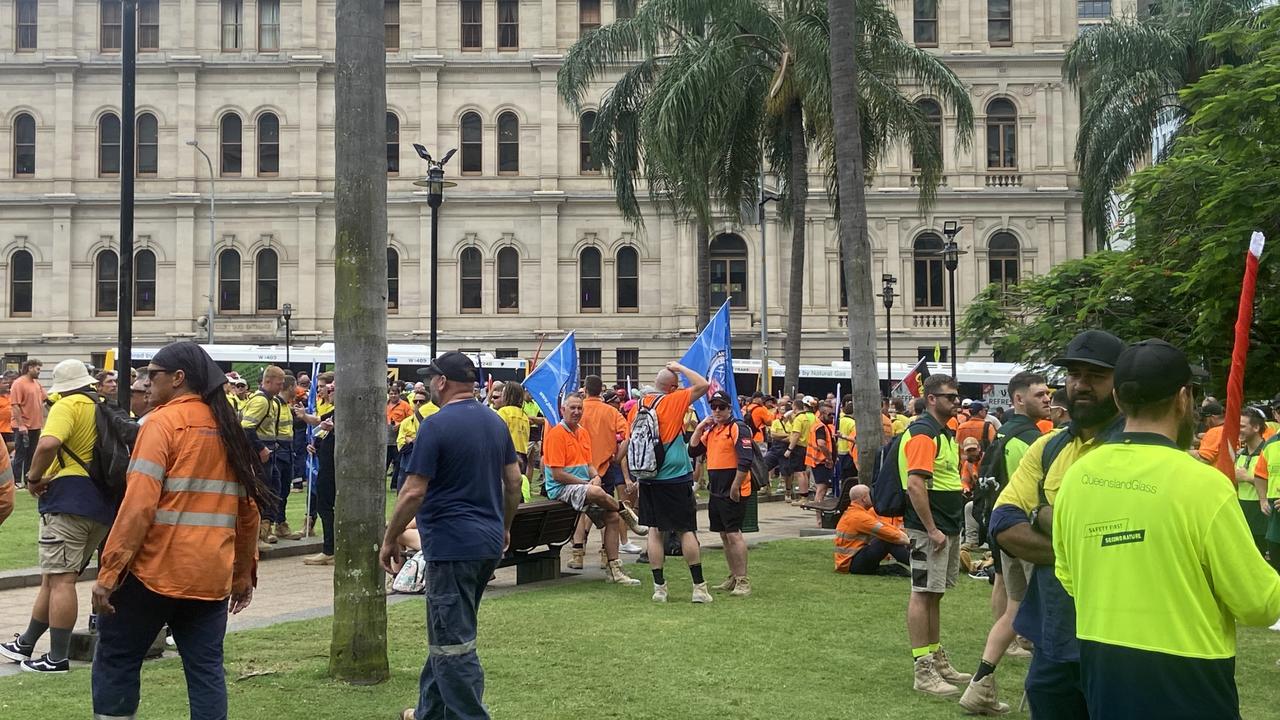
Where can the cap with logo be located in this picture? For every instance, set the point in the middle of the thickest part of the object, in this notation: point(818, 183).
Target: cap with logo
point(1150, 371)
point(720, 397)
point(1094, 347)
point(453, 366)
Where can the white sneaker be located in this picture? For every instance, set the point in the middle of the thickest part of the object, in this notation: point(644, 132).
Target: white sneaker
point(1276, 627)
point(660, 593)
point(630, 548)
point(701, 594)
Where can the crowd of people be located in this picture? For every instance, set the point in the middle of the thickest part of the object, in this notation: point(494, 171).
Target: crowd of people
point(1119, 559)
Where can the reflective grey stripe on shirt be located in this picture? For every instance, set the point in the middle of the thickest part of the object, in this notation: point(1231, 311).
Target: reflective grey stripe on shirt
point(148, 468)
point(204, 485)
point(462, 649)
point(195, 519)
point(6, 475)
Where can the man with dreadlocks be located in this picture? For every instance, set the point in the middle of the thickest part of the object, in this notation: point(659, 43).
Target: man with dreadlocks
point(184, 539)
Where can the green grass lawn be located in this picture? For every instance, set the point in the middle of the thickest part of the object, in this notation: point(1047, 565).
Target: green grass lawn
point(809, 644)
point(18, 535)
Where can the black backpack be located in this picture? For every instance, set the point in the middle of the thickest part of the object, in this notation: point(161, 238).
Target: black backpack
point(887, 494)
point(115, 433)
point(993, 476)
point(759, 470)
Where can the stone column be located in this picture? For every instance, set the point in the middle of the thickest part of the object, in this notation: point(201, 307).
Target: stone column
point(54, 292)
point(184, 295)
point(306, 293)
point(308, 135)
point(428, 22)
point(64, 120)
point(549, 260)
point(188, 21)
point(189, 173)
point(550, 43)
point(310, 25)
point(548, 125)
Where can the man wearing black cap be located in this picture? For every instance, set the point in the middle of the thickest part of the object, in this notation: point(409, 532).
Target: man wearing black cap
point(1022, 524)
point(1213, 417)
point(727, 445)
point(1148, 542)
point(463, 484)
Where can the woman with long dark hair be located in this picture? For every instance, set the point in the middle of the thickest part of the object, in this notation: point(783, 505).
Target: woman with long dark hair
point(184, 541)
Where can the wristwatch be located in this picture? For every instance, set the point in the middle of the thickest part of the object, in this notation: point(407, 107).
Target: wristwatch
point(1035, 521)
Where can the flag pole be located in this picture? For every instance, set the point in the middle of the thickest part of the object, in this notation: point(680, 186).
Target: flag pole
point(1226, 460)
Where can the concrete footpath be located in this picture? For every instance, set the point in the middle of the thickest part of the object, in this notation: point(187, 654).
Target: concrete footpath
point(288, 590)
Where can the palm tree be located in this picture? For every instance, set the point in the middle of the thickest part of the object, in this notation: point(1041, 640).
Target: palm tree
point(1129, 73)
point(717, 88)
point(358, 649)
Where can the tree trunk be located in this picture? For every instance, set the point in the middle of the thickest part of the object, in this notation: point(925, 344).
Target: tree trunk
point(854, 242)
point(798, 185)
point(703, 284)
point(358, 653)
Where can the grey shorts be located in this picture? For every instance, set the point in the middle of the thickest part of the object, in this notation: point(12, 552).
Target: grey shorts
point(933, 570)
point(67, 542)
point(1017, 573)
point(575, 496)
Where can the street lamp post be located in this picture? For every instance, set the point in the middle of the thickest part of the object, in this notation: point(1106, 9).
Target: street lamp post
point(435, 184)
point(951, 253)
point(886, 296)
point(766, 375)
point(213, 273)
point(286, 312)
point(128, 107)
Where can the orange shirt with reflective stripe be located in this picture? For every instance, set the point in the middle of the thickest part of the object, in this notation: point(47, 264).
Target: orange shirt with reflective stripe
point(607, 429)
point(186, 528)
point(722, 451)
point(857, 526)
point(814, 455)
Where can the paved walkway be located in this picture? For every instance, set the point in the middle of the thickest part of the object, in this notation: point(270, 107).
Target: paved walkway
point(288, 590)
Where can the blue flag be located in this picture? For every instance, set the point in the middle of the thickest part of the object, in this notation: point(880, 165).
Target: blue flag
point(711, 356)
point(313, 465)
point(554, 377)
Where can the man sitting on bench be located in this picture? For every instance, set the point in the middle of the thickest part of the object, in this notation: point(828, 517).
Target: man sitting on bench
point(572, 479)
point(864, 539)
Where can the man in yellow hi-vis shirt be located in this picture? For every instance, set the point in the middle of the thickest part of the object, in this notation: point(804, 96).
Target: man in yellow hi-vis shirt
point(1150, 543)
point(270, 417)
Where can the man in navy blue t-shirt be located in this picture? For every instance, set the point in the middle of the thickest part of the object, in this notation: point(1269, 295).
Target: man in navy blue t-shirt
point(463, 484)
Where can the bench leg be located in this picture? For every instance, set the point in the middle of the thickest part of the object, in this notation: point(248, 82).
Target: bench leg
point(538, 569)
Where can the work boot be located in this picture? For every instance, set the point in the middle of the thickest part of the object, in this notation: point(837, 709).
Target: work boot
point(730, 583)
point(1016, 651)
point(981, 698)
point(576, 558)
point(318, 559)
point(264, 534)
point(929, 681)
point(660, 592)
point(617, 575)
point(633, 523)
point(700, 593)
point(604, 559)
point(284, 531)
point(743, 588)
point(948, 673)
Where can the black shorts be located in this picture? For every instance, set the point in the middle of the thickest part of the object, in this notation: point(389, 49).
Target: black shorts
point(8, 438)
point(725, 514)
point(773, 458)
point(794, 464)
point(669, 506)
point(822, 474)
point(612, 478)
point(848, 471)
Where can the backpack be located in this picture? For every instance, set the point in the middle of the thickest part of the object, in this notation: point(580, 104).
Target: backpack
point(412, 578)
point(993, 476)
point(115, 433)
point(887, 494)
point(759, 471)
point(646, 452)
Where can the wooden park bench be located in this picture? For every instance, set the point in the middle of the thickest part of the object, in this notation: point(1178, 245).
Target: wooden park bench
point(539, 531)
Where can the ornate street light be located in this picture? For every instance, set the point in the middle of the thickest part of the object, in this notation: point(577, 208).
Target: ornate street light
point(951, 253)
point(886, 296)
point(435, 184)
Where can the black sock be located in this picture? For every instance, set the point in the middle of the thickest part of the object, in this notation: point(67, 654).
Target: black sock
point(658, 578)
point(35, 629)
point(59, 644)
point(984, 669)
point(579, 546)
point(696, 571)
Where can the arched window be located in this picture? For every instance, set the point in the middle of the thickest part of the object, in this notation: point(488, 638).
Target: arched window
point(508, 144)
point(267, 267)
point(148, 145)
point(926, 255)
point(24, 145)
point(508, 280)
point(626, 270)
point(229, 281)
point(108, 145)
point(393, 144)
point(933, 116)
point(268, 145)
point(1002, 135)
point(589, 280)
point(728, 279)
point(587, 163)
point(393, 280)
point(1003, 260)
point(108, 282)
point(470, 269)
point(21, 284)
point(144, 283)
point(229, 139)
point(472, 143)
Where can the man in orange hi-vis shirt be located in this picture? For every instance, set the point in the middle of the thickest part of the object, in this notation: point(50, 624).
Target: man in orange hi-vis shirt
point(7, 487)
point(184, 539)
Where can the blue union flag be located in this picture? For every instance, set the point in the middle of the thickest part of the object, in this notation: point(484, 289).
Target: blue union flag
point(712, 356)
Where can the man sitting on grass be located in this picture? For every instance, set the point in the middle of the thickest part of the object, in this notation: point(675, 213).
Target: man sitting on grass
point(864, 539)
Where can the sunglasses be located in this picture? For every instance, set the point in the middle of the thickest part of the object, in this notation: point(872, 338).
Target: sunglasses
point(950, 396)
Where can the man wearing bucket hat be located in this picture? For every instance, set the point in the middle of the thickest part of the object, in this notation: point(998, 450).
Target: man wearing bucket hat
point(75, 517)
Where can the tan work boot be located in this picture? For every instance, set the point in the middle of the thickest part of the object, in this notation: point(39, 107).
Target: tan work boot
point(701, 594)
point(284, 531)
point(604, 559)
point(743, 588)
point(929, 681)
point(982, 698)
point(948, 673)
point(617, 575)
point(1016, 651)
point(633, 522)
point(318, 559)
point(576, 558)
point(264, 534)
point(730, 583)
